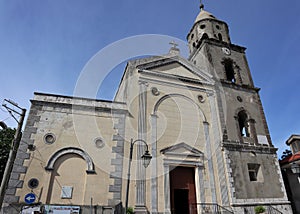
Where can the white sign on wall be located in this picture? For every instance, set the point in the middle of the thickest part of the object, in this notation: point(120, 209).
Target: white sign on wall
point(66, 192)
point(49, 209)
point(262, 139)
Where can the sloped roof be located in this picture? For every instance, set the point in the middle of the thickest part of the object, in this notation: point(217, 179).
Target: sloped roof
point(291, 158)
point(204, 15)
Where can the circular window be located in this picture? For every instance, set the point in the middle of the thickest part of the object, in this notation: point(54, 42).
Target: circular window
point(201, 99)
point(49, 138)
point(99, 143)
point(33, 183)
point(239, 99)
point(202, 26)
point(218, 27)
point(155, 91)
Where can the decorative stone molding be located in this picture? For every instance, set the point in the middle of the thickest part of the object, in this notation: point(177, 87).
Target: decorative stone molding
point(16, 180)
point(243, 147)
point(116, 173)
point(181, 96)
point(71, 150)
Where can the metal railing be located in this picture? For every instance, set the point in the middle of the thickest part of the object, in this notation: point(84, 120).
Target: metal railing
point(269, 210)
point(273, 210)
point(209, 208)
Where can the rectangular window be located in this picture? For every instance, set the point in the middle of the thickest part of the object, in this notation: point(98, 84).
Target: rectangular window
point(296, 147)
point(254, 171)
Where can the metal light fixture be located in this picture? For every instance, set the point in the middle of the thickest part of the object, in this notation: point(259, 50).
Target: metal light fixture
point(146, 157)
point(295, 168)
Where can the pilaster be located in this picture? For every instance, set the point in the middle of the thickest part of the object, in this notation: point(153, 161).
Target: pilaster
point(140, 206)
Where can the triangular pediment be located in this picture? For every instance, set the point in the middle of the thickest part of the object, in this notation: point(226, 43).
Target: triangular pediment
point(181, 149)
point(176, 68)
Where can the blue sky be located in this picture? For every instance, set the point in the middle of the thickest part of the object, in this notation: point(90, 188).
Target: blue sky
point(44, 45)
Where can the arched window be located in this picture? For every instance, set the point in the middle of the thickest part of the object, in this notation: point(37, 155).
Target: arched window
point(220, 37)
point(243, 124)
point(204, 36)
point(228, 64)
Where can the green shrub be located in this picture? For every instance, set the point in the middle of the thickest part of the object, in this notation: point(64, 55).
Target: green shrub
point(129, 210)
point(259, 209)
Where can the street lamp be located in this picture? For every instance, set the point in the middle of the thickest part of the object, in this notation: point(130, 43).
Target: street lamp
point(146, 157)
point(295, 168)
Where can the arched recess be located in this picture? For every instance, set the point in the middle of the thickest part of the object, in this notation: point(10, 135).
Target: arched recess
point(249, 122)
point(181, 96)
point(71, 150)
point(156, 186)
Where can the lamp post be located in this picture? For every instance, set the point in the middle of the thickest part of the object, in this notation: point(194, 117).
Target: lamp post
point(296, 170)
point(146, 161)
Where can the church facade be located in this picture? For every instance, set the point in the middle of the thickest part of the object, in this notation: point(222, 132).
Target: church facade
point(200, 118)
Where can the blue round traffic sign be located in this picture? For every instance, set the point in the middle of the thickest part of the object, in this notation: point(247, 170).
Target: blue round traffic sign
point(29, 198)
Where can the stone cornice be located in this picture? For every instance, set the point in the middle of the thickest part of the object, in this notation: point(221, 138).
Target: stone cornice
point(175, 77)
point(216, 42)
point(239, 87)
point(236, 146)
point(78, 103)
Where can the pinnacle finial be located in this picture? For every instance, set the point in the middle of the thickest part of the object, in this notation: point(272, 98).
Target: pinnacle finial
point(173, 44)
point(174, 50)
point(201, 5)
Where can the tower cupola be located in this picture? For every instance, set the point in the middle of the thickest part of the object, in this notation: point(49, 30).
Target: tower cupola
point(207, 26)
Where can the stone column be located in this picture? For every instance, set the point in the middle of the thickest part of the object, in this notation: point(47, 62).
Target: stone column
point(252, 130)
point(217, 151)
point(200, 191)
point(167, 188)
point(210, 163)
point(154, 194)
point(140, 206)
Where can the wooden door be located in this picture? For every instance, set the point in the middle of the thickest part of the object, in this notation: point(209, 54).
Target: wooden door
point(182, 188)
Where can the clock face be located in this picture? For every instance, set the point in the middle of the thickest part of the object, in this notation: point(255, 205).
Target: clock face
point(226, 51)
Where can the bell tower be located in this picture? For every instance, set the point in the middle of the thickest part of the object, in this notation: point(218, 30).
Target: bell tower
point(253, 174)
point(207, 26)
point(241, 113)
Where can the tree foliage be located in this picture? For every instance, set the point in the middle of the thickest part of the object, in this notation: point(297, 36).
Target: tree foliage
point(286, 153)
point(6, 138)
point(259, 209)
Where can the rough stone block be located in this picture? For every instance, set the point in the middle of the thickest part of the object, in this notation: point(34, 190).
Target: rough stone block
point(117, 137)
point(11, 199)
point(15, 183)
point(114, 188)
point(118, 181)
point(23, 155)
point(14, 176)
point(117, 161)
point(20, 169)
point(115, 175)
point(19, 161)
point(117, 149)
point(117, 196)
point(10, 191)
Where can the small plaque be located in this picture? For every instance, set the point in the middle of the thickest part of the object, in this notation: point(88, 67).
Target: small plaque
point(66, 192)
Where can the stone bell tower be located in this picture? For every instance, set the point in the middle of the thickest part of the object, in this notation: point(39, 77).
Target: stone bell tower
point(243, 118)
point(252, 170)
